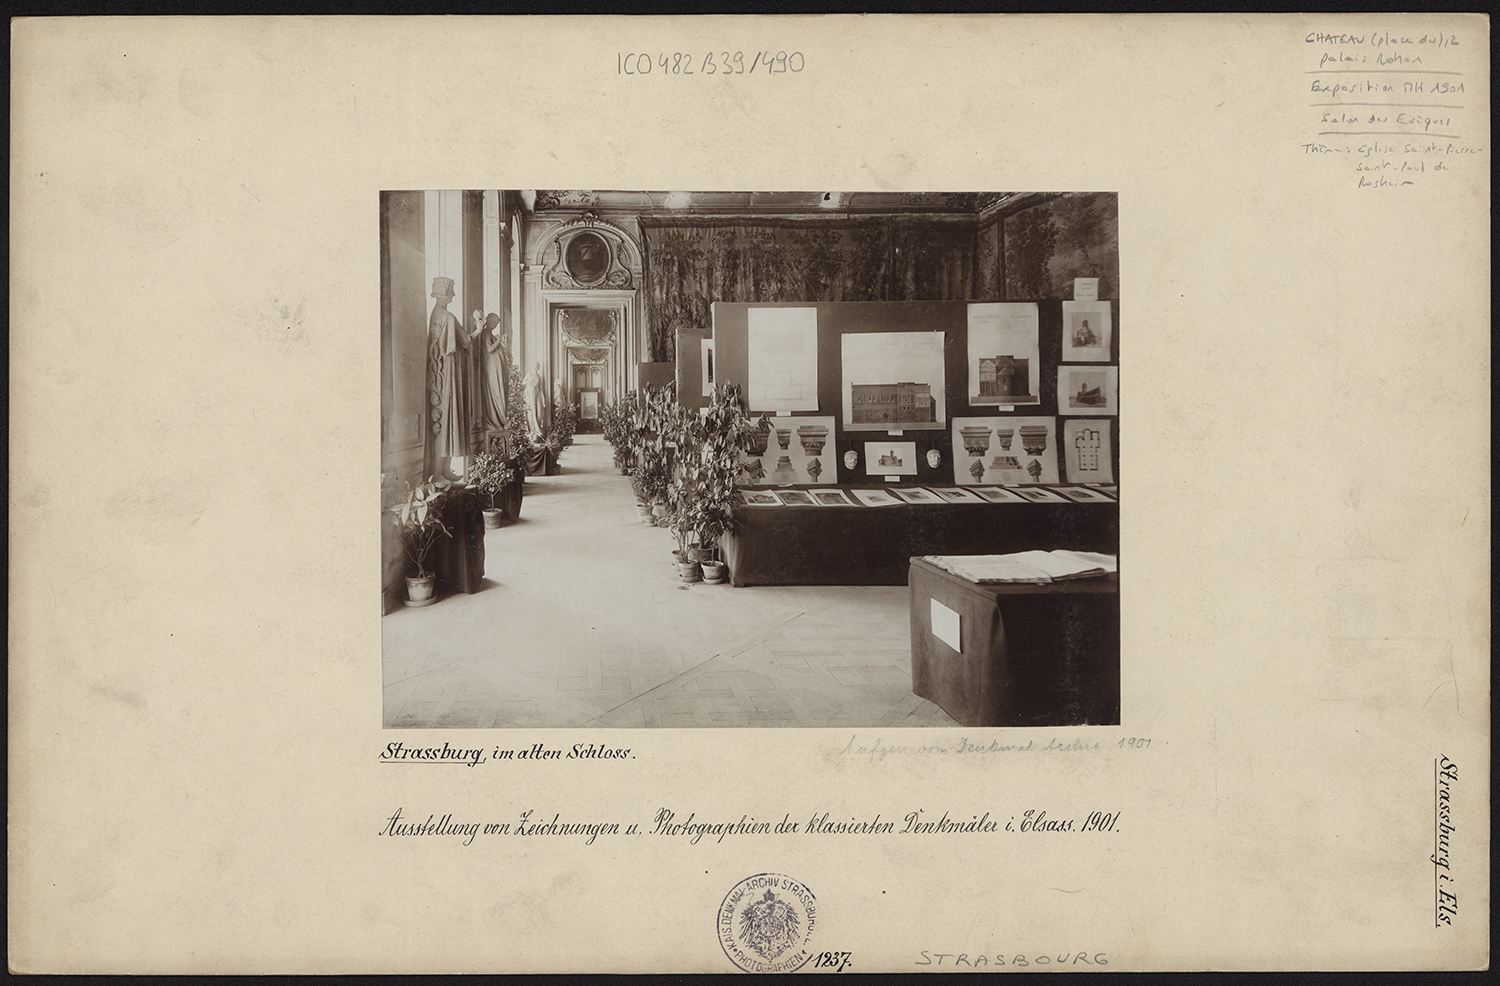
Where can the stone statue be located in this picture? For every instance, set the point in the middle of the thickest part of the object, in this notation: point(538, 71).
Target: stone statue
point(535, 397)
point(450, 376)
point(496, 368)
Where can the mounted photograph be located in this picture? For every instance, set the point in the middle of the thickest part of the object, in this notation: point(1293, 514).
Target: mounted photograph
point(629, 440)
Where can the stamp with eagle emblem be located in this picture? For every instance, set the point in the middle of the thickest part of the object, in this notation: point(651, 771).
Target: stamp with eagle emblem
point(766, 923)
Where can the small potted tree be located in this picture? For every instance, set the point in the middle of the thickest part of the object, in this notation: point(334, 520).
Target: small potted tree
point(491, 474)
point(649, 442)
point(726, 431)
point(560, 436)
point(418, 518)
point(683, 506)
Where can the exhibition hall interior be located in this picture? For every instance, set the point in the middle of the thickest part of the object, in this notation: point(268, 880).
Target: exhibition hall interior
point(749, 459)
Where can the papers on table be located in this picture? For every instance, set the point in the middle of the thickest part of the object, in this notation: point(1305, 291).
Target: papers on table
point(995, 494)
point(952, 494)
point(926, 496)
point(1038, 495)
point(1038, 567)
point(1083, 495)
point(875, 498)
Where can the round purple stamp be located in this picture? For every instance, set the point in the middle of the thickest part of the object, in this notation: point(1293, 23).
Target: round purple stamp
point(766, 923)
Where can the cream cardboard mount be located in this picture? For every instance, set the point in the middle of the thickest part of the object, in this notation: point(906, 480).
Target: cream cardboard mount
point(196, 785)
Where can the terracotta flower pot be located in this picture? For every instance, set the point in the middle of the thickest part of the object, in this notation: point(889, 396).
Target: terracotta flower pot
point(714, 572)
point(643, 510)
point(687, 571)
point(493, 518)
point(419, 591)
point(700, 555)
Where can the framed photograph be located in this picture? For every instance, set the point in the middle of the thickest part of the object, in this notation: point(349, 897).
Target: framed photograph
point(831, 498)
point(788, 451)
point(1009, 451)
point(1083, 494)
point(953, 494)
point(995, 494)
point(890, 458)
point(783, 359)
point(893, 381)
point(1038, 495)
point(875, 498)
point(762, 498)
point(1088, 456)
point(1088, 390)
point(915, 495)
point(1004, 365)
point(706, 364)
point(1086, 332)
point(795, 498)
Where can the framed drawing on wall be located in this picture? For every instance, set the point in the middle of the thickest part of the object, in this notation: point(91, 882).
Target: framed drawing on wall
point(893, 381)
point(1088, 390)
point(1004, 363)
point(1009, 451)
point(1086, 332)
point(783, 359)
point(890, 458)
point(1087, 452)
point(789, 450)
point(706, 365)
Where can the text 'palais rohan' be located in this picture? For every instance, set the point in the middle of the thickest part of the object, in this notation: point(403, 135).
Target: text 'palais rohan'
point(1389, 106)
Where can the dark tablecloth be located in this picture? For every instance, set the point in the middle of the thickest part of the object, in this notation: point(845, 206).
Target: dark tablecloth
point(1031, 655)
point(872, 545)
point(459, 560)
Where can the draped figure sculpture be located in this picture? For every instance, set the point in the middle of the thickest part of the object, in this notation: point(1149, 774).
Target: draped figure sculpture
point(535, 395)
point(450, 378)
point(496, 369)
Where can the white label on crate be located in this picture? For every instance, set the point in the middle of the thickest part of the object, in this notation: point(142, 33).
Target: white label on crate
point(945, 625)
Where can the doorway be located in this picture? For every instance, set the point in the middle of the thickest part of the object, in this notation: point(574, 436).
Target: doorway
point(589, 392)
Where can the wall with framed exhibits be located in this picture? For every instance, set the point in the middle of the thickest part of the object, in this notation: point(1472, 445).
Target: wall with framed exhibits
point(1015, 393)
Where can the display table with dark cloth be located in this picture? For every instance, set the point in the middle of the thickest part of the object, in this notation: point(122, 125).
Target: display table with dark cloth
point(861, 545)
point(459, 560)
point(1030, 655)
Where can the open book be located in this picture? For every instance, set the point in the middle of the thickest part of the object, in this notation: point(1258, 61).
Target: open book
point(1027, 566)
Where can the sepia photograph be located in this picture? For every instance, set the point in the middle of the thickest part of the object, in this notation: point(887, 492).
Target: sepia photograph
point(573, 532)
point(420, 566)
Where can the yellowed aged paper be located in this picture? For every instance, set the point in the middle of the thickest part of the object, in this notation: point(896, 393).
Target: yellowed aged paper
point(195, 676)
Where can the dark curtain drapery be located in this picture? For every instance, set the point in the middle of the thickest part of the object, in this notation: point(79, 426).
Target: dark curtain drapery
point(691, 264)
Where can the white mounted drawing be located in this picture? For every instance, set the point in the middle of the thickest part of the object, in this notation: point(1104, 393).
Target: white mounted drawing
point(1087, 332)
point(782, 374)
point(1004, 362)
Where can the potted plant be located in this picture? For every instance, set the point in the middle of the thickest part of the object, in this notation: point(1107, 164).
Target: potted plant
point(418, 518)
point(648, 486)
point(615, 418)
point(560, 435)
point(651, 451)
point(682, 514)
point(491, 474)
point(726, 431)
